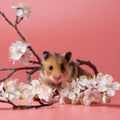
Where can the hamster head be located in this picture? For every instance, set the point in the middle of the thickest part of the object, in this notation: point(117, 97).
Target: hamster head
point(56, 67)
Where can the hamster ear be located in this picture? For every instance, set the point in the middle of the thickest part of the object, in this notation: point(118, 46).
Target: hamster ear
point(46, 55)
point(68, 56)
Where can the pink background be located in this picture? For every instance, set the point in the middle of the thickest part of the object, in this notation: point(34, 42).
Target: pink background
point(88, 28)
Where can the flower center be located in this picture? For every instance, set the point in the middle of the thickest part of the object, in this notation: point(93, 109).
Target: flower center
point(71, 89)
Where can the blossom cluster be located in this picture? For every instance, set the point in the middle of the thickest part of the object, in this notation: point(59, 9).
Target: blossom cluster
point(88, 91)
point(82, 90)
point(12, 90)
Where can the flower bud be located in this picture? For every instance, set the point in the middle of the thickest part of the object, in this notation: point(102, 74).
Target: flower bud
point(106, 99)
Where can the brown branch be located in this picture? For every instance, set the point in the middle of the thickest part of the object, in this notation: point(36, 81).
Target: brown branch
point(38, 58)
point(30, 106)
point(30, 73)
point(18, 20)
point(7, 101)
point(7, 19)
point(20, 34)
point(11, 102)
point(33, 62)
point(25, 106)
point(88, 63)
point(36, 68)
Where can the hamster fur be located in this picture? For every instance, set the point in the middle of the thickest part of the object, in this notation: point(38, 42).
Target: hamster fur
point(58, 68)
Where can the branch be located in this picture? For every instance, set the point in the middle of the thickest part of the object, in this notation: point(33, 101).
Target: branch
point(33, 62)
point(25, 106)
point(18, 20)
point(20, 34)
point(13, 70)
point(31, 72)
point(88, 63)
point(8, 101)
point(7, 19)
point(38, 58)
point(30, 106)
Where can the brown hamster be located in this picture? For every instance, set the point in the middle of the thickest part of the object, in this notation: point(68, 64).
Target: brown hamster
point(57, 68)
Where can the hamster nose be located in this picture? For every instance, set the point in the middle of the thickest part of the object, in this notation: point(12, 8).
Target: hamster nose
point(57, 77)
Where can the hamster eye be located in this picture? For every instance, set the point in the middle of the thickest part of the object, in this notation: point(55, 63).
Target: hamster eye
point(62, 67)
point(50, 67)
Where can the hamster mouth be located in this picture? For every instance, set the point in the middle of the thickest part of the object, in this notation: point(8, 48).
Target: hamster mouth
point(57, 81)
point(62, 79)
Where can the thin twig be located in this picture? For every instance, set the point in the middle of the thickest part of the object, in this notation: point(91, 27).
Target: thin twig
point(25, 106)
point(33, 62)
point(16, 21)
point(7, 101)
point(31, 106)
point(36, 68)
point(31, 72)
point(3, 101)
point(20, 34)
point(7, 19)
point(38, 58)
point(19, 20)
point(11, 103)
point(88, 63)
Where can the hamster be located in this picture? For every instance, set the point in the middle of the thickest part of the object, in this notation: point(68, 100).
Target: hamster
point(58, 68)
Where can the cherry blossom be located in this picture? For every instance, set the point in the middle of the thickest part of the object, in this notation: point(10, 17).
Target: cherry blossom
point(26, 91)
point(91, 96)
point(22, 10)
point(71, 90)
point(89, 83)
point(106, 84)
point(43, 91)
point(19, 51)
point(74, 92)
point(10, 90)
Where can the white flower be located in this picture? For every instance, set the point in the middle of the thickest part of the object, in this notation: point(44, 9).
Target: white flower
point(89, 83)
point(26, 57)
point(43, 91)
point(36, 86)
point(26, 91)
point(10, 90)
point(22, 10)
point(91, 96)
point(106, 84)
point(71, 90)
point(19, 51)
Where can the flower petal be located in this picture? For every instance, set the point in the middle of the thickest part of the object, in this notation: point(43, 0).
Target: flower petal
point(19, 12)
point(35, 82)
point(102, 88)
point(110, 92)
point(71, 95)
point(76, 90)
point(115, 86)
